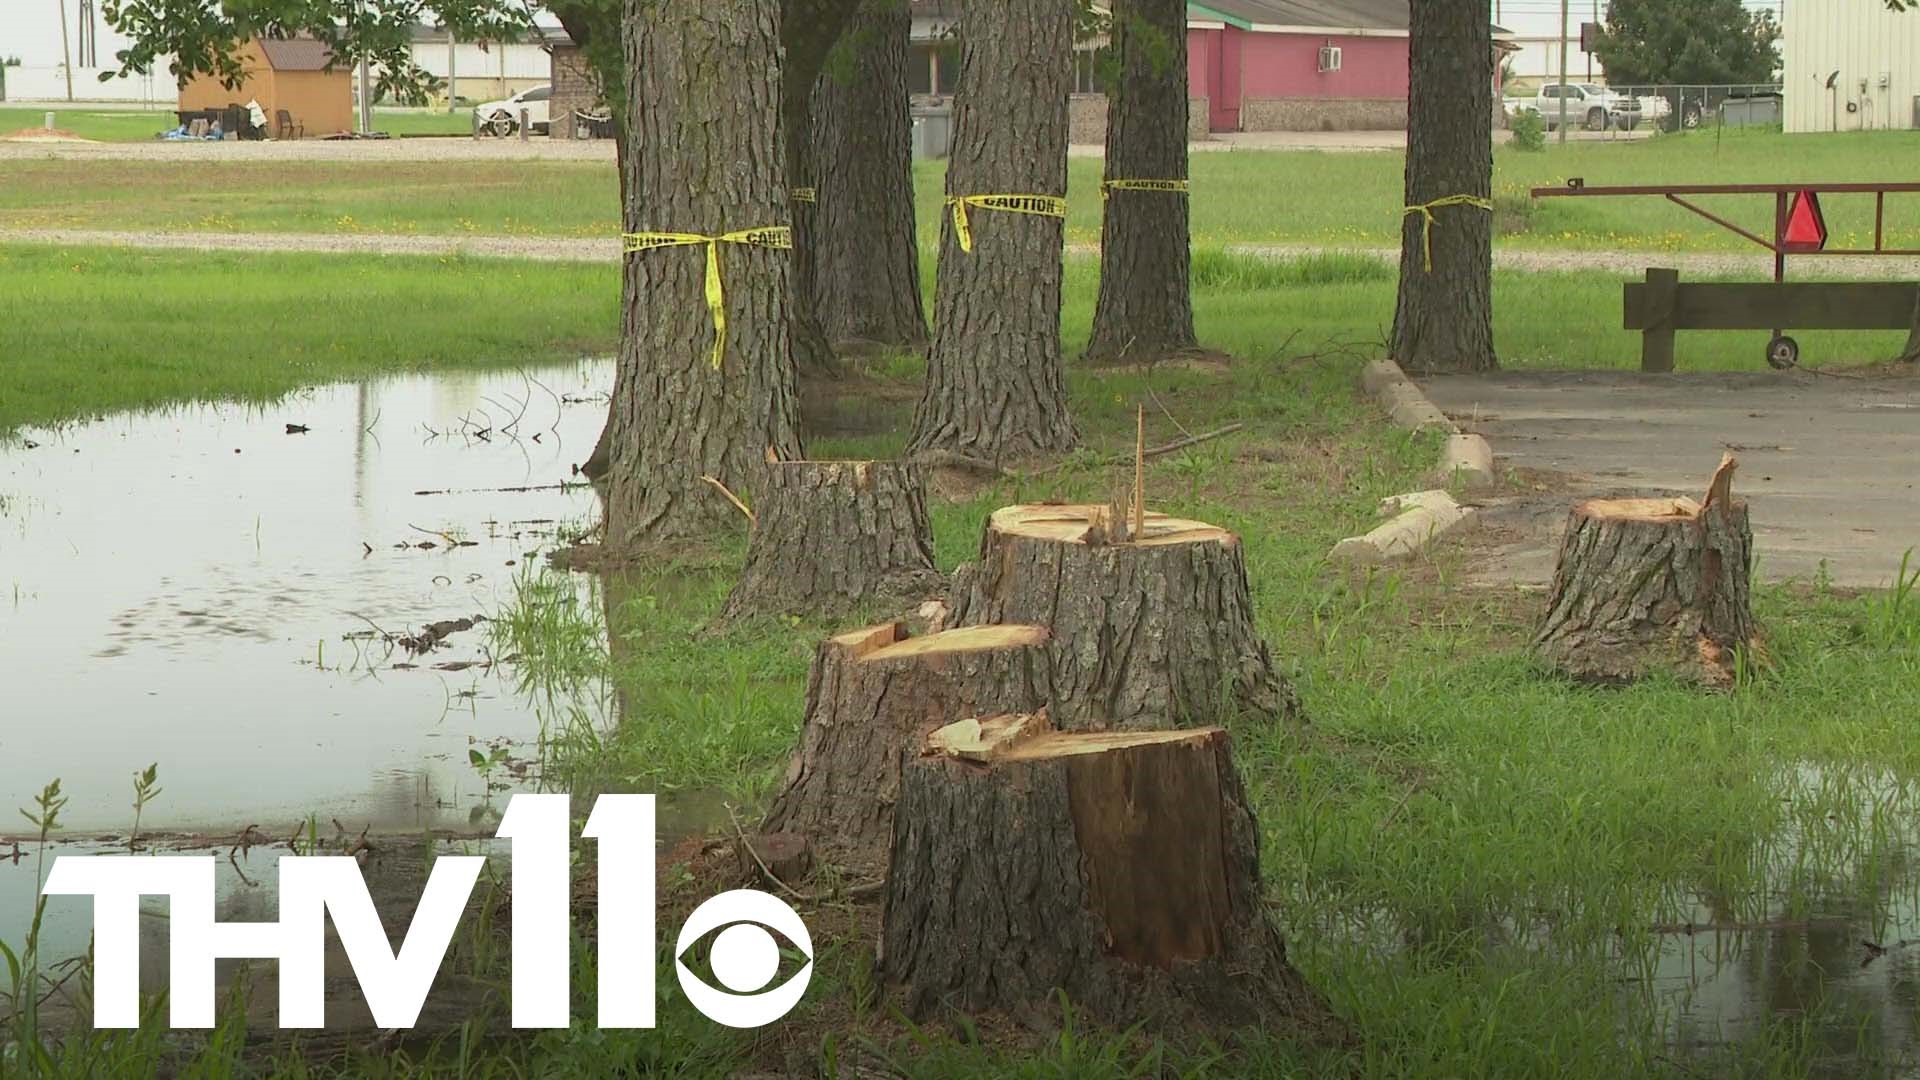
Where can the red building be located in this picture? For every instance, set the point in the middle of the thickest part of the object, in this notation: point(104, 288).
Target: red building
point(1286, 65)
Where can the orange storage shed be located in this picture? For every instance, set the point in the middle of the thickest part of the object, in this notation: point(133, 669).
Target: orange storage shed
point(289, 74)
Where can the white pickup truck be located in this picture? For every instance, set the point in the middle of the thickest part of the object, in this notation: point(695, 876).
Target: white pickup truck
point(1595, 107)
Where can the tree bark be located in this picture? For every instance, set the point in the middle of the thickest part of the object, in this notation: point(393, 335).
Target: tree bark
point(1910, 352)
point(1145, 309)
point(1653, 585)
point(1120, 869)
point(872, 695)
point(703, 95)
point(996, 385)
point(827, 534)
point(1443, 320)
point(809, 30)
point(867, 282)
point(599, 42)
point(1149, 633)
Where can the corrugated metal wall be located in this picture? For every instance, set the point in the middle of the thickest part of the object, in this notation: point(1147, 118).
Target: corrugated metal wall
point(1860, 39)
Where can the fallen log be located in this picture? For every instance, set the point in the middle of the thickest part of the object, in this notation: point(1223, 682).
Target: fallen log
point(1152, 625)
point(1653, 585)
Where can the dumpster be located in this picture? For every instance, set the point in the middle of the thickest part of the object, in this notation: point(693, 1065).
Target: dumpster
point(932, 131)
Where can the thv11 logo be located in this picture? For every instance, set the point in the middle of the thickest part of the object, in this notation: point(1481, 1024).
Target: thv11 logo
point(744, 956)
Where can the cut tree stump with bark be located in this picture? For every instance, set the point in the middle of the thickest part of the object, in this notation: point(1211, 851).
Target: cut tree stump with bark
point(872, 696)
point(1151, 631)
point(828, 534)
point(1121, 868)
point(1653, 585)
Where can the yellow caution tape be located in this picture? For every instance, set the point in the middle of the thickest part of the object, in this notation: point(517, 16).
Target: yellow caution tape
point(1426, 209)
point(805, 194)
point(1040, 205)
point(1142, 185)
point(769, 236)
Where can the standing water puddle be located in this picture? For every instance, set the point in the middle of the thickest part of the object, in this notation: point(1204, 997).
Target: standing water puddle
point(200, 587)
point(1830, 945)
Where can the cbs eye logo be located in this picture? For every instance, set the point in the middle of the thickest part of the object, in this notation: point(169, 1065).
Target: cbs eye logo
point(744, 958)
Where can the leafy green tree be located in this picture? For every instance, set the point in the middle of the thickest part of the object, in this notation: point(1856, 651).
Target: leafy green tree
point(1688, 42)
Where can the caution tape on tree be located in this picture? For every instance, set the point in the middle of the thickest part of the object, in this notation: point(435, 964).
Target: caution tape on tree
point(1142, 185)
point(804, 194)
point(1426, 209)
point(767, 236)
point(1052, 206)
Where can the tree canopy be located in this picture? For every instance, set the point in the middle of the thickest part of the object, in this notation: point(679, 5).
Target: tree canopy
point(1688, 41)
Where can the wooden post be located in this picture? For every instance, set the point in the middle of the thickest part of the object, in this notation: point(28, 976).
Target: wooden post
point(1656, 341)
point(523, 125)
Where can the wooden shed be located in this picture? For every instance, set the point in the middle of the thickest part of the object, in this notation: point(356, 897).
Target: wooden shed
point(288, 74)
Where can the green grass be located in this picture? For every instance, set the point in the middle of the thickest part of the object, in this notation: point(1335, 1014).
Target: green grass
point(1469, 856)
point(184, 326)
point(88, 330)
point(141, 125)
point(1339, 199)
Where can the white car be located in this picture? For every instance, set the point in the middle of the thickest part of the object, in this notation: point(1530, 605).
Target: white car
point(1594, 106)
point(503, 117)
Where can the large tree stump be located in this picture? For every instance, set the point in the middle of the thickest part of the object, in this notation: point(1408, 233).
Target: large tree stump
point(872, 695)
point(1149, 631)
point(1120, 867)
point(827, 534)
point(1649, 585)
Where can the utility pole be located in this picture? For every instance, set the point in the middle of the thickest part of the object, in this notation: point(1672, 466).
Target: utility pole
point(1563, 72)
point(1589, 51)
point(451, 84)
point(66, 51)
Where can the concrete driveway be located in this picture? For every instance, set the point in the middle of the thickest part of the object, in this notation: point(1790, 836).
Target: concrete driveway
point(1828, 464)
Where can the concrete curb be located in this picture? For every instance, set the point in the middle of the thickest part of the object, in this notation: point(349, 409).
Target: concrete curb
point(1467, 459)
point(1421, 517)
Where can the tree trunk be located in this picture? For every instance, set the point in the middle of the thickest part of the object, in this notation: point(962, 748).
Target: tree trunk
point(867, 259)
point(1152, 633)
point(1145, 310)
point(996, 386)
point(1652, 585)
point(809, 30)
point(1910, 352)
point(599, 42)
point(872, 695)
point(1122, 869)
point(827, 534)
point(703, 86)
point(1444, 318)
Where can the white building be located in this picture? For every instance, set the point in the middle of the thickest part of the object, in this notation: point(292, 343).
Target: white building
point(1851, 65)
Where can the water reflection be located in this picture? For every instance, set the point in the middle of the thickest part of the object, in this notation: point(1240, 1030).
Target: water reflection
point(1825, 942)
point(197, 587)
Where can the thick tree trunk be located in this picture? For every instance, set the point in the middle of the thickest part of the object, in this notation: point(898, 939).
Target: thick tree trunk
point(1444, 318)
point(872, 696)
point(1152, 632)
point(703, 86)
point(1910, 352)
point(809, 31)
point(1145, 310)
point(1653, 585)
point(867, 260)
point(996, 386)
point(599, 41)
point(1120, 869)
point(828, 534)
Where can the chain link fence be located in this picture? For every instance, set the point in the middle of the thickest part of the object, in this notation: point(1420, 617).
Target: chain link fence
point(1632, 111)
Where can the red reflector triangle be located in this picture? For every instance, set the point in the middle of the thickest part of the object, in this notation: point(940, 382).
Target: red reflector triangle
point(1806, 228)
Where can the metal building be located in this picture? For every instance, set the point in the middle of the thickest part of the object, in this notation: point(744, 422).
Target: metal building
point(1850, 65)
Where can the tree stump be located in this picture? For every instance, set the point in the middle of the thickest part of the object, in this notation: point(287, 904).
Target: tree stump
point(1150, 631)
point(872, 695)
point(1120, 867)
point(829, 533)
point(1648, 585)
